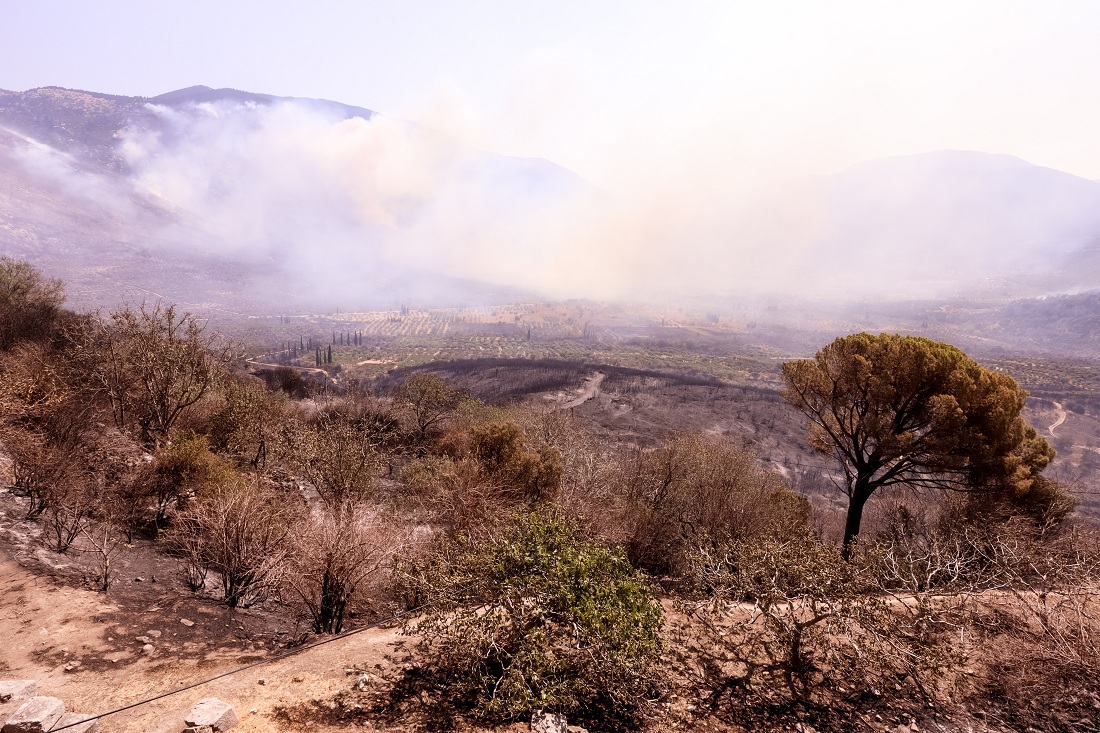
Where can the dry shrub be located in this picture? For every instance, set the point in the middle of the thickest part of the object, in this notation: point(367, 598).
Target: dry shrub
point(334, 554)
point(180, 470)
point(698, 491)
point(1039, 633)
point(335, 452)
point(427, 402)
point(238, 531)
point(790, 625)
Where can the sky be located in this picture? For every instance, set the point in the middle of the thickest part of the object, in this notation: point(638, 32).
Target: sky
point(725, 94)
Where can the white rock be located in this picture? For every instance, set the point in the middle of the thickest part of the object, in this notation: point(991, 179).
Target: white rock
point(213, 712)
point(36, 715)
point(543, 722)
point(17, 689)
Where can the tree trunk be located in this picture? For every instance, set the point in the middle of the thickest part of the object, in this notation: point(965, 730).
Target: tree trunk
point(856, 503)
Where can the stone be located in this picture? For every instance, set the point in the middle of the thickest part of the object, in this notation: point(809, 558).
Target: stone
point(363, 682)
point(80, 723)
point(148, 649)
point(36, 715)
point(153, 633)
point(577, 729)
point(213, 712)
point(199, 729)
point(543, 722)
point(143, 640)
point(17, 689)
point(187, 622)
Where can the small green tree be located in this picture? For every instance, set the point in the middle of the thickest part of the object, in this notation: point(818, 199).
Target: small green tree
point(906, 410)
point(536, 618)
point(428, 400)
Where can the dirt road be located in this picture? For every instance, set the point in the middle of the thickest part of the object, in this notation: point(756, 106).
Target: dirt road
point(1061, 418)
point(591, 389)
point(47, 626)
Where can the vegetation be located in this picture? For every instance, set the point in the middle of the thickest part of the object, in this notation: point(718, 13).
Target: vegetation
point(541, 547)
point(540, 618)
point(903, 410)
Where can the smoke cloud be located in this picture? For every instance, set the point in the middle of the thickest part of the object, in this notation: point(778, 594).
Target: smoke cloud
point(363, 210)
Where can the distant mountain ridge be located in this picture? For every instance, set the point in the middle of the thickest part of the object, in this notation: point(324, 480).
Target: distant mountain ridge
point(86, 124)
point(69, 202)
point(90, 184)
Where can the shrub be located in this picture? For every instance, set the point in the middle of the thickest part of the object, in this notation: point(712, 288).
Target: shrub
point(697, 491)
point(239, 532)
point(795, 612)
point(538, 617)
point(334, 553)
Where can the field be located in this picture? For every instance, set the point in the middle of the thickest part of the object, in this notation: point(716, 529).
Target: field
point(657, 372)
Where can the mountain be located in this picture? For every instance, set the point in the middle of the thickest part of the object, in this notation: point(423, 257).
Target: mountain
point(945, 223)
point(247, 202)
point(231, 199)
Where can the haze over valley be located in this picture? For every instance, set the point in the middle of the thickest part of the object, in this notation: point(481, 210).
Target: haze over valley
point(571, 367)
point(248, 200)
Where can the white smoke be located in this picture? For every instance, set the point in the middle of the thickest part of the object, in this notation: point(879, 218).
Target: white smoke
point(345, 199)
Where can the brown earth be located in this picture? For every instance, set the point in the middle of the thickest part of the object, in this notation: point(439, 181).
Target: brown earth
point(81, 645)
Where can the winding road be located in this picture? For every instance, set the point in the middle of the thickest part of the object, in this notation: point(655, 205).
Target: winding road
point(591, 389)
point(1061, 418)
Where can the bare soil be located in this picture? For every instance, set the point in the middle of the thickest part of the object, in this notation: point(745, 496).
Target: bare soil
point(82, 646)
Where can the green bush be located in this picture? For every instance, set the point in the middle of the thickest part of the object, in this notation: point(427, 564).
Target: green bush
point(539, 618)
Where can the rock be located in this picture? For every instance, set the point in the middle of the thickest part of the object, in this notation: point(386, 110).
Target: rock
point(80, 723)
point(363, 682)
point(187, 622)
point(199, 729)
point(148, 649)
point(543, 722)
point(143, 640)
point(261, 681)
point(577, 729)
point(36, 715)
point(213, 712)
point(902, 728)
point(17, 689)
point(70, 666)
point(154, 633)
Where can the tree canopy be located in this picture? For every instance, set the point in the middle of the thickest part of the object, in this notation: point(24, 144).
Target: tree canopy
point(907, 410)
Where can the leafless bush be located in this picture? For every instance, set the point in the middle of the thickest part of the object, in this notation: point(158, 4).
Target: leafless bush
point(334, 553)
point(104, 542)
point(339, 456)
point(1040, 633)
point(239, 532)
point(803, 615)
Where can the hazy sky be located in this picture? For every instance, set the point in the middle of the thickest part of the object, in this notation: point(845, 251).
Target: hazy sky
point(722, 93)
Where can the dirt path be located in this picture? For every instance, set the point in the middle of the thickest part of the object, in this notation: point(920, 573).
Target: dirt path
point(591, 389)
point(47, 626)
point(1061, 418)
